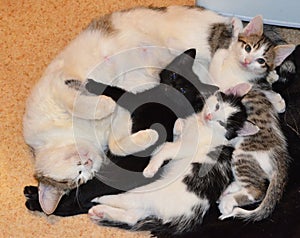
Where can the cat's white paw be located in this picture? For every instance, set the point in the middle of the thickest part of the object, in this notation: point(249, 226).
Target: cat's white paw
point(272, 76)
point(105, 107)
point(227, 204)
point(146, 138)
point(150, 170)
point(98, 213)
point(277, 102)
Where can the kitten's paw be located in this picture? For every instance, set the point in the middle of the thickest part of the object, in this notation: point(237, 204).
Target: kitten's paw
point(31, 192)
point(145, 138)
point(97, 213)
point(105, 107)
point(272, 76)
point(178, 128)
point(277, 101)
point(32, 199)
point(150, 171)
point(227, 204)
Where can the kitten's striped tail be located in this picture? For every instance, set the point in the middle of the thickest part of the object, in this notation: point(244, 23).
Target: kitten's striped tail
point(273, 195)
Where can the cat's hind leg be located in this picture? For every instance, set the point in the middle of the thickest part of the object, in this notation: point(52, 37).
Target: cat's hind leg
point(114, 214)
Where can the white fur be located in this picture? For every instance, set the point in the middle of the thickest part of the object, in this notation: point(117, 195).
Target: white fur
point(57, 116)
point(167, 197)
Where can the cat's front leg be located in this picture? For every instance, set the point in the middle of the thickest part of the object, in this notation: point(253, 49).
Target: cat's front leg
point(169, 150)
point(92, 108)
point(80, 104)
point(276, 100)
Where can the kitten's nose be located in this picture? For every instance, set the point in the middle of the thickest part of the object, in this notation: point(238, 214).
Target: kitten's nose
point(247, 61)
point(208, 117)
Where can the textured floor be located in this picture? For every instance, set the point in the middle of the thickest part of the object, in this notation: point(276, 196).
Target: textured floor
point(32, 32)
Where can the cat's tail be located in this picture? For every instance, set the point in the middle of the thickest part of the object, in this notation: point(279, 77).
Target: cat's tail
point(273, 195)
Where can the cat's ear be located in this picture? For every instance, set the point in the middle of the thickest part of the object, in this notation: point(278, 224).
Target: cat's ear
point(49, 197)
point(254, 27)
point(281, 52)
point(248, 129)
point(239, 90)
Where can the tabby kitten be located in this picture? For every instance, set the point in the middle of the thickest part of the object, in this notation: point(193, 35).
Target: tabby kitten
point(178, 200)
point(252, 58)
point(260, 161)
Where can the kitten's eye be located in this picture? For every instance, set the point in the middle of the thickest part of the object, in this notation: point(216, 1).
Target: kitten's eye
point(80, 172)
point(173, 76)
point(217, 107)
point(260, 60)
point(247, 48)
point(182, 90)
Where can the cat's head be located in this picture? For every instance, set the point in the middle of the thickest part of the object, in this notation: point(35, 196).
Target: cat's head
point(60, 169)
point(255, 52)
point(226, 109)
point(179, 74)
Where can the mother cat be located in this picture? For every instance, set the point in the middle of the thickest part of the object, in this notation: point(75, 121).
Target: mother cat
point(68, 132)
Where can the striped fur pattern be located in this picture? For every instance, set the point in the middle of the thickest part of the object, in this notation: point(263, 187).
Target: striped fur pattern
point(260, 164)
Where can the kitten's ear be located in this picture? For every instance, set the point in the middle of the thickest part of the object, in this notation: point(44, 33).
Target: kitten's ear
point(191, 53)
point(248, 129)
point(49, 197)
point(239, 90)
point(281, 52)
point(254, 27)
point(187, 58)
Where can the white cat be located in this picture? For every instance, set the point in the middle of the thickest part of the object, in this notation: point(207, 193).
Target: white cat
point(69, 132)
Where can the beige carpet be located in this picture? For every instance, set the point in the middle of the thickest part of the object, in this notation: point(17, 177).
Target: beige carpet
point(32, 32)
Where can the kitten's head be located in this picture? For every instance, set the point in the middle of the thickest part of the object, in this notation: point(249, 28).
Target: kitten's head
point(227, 110)
point(60, 169)
point(179, 74)
point(255, 52)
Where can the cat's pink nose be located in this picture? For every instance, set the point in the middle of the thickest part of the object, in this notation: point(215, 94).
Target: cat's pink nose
point(208, 117)
point(247, 61)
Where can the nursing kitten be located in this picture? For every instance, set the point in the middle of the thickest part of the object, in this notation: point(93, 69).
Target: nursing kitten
point(55, 112)
point(178, 201)
point(260, 161)
point(251, 58)
point(179, 94)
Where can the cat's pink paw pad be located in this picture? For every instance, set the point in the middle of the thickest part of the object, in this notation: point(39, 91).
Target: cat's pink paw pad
point(96, 214)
